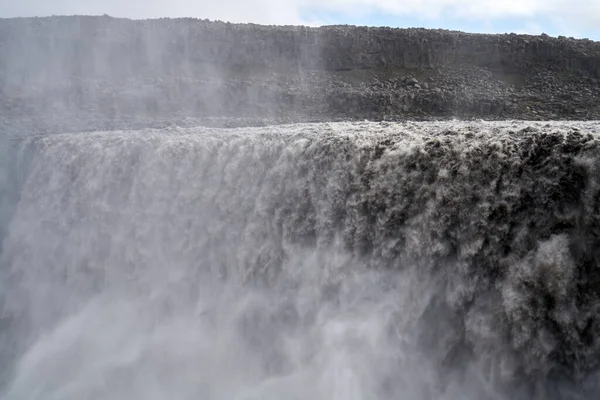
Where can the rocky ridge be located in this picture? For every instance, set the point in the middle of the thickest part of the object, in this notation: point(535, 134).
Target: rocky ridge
point(100, 72)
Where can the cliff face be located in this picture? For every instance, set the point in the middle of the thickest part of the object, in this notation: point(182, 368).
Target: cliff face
point(106, 69)
point(168, 44)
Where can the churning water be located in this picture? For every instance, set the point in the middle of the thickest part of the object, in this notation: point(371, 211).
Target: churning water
point(346, 261)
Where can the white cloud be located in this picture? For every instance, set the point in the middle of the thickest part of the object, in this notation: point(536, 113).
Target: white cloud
point(435, 8)
point(567, 15)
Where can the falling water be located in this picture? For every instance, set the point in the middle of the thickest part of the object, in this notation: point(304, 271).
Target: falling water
point(346, 261)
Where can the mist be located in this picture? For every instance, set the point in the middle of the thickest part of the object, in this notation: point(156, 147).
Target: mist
point(203, 210)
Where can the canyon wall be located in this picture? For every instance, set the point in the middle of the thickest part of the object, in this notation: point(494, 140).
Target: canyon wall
point(105, 69)
point(97, 46)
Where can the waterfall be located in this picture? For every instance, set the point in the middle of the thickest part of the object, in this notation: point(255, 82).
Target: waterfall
point(340, 261)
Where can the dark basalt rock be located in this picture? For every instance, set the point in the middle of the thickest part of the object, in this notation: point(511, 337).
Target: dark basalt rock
point(99, 72)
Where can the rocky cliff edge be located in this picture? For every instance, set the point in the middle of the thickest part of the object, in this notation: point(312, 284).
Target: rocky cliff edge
point(83, 72)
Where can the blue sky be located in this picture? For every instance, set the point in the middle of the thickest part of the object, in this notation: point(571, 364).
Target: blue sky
point(577, 18)
point(536, 25)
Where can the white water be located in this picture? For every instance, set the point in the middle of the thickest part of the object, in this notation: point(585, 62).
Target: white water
point(211, 264)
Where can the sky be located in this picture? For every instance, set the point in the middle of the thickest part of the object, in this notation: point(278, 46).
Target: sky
point(576, 18)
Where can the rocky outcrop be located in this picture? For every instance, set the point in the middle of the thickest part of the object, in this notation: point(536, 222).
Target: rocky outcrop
point(107, 71)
